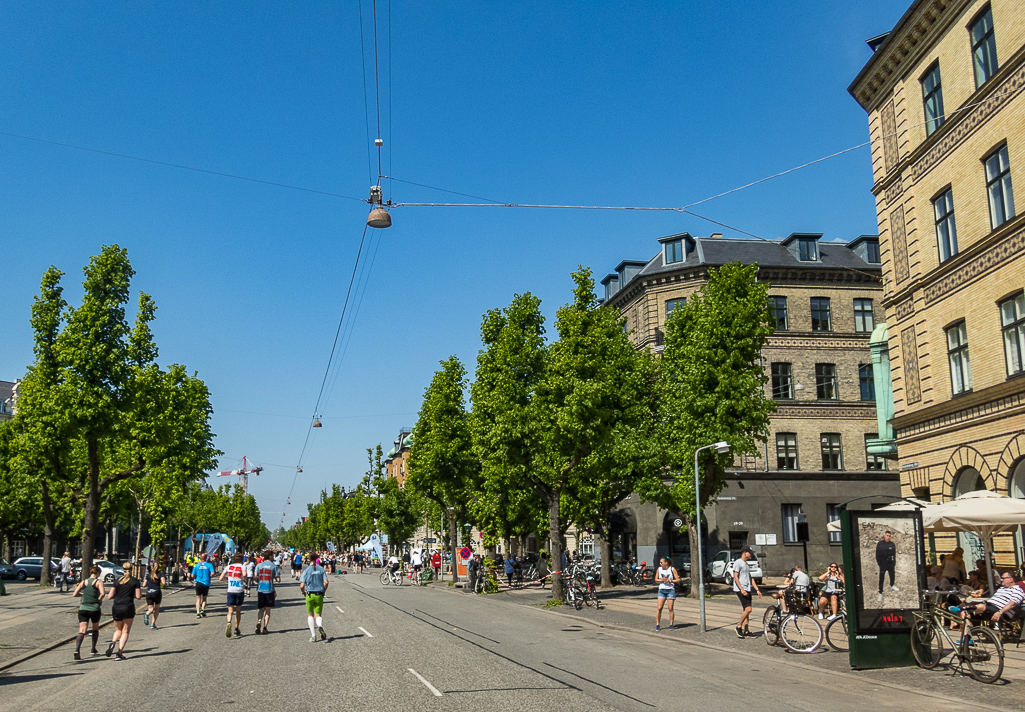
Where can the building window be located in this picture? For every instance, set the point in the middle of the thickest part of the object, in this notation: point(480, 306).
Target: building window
point(782, 381)
point(808, 249)
point(825, 381)
point(873, 462)
point(832, 458)
point(790, 515)
point(872, 252)
point(932, 99)
point(778, 313)
point(946, 231)
point(957, 353)
point(998, 187)
point(984, 47)
point(674, 251)
point(866, 382)
point(833, 515)
point(673, 304)
point(820, 316)
point(1012, 319)
point(863, 321)
point(786, 451)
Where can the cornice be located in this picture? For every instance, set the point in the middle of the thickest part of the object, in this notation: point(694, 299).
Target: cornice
point(963, 407)
point(915, 33)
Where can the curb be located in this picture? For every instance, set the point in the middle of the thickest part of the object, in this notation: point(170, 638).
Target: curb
point(53, 646)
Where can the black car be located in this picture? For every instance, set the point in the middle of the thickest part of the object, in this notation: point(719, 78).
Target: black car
point(32, 567)
point(6, 570)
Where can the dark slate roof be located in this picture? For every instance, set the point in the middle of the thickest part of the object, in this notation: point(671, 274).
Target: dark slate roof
point(6, 391)
point(716, 251)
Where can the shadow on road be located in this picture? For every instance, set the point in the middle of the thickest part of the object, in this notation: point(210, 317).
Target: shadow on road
point(16, 679)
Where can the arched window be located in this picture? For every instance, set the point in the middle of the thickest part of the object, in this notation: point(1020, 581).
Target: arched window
point(1016, 489)
point(969, 480)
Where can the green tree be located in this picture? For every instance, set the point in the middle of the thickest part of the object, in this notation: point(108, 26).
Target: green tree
point(95, 407)
point(442, 465)
point(712, 389)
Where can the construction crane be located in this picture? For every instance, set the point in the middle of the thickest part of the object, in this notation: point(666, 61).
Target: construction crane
point(243, 474)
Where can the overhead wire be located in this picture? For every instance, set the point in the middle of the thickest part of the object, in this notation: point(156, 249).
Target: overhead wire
point(366, 100)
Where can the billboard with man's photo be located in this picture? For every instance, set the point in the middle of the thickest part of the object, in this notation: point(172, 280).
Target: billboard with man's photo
point(889, 569)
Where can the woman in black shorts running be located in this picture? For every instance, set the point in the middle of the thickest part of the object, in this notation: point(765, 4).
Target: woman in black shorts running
point(154, 596)
point(91, 591)
point(123, 593)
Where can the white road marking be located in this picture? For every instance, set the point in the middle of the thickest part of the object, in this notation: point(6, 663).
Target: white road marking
point(420, 677)
point(339, 609)
point(366, 633)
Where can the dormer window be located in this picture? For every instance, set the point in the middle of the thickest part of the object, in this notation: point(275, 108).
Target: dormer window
point(674, 251)
point(872, 252)
point(808, 249)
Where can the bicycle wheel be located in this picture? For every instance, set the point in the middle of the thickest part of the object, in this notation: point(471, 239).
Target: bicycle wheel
point(926, 643)
point(836, 634)
point(385, 578)
point(801, 633)
point(578, 595)
point(984, 654)
point(398, 579)
point(770, 626)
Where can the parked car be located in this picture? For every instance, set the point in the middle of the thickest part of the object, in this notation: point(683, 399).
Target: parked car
point(109, 571)
point(6, 570)
point(28, 567)
point(720, 567)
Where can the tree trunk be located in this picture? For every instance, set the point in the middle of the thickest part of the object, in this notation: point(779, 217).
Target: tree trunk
point(606, 559)
point(555, 534)
point(49, 522)
point(92, 507)
point(693, 534)
point(452, 545)
point(138, 540)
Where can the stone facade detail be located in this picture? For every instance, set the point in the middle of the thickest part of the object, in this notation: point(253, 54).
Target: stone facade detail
point(909, 351)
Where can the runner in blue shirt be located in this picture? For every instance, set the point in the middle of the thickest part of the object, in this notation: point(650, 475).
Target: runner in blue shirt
point(314, 584)
point(201, 574)
point(265, 593)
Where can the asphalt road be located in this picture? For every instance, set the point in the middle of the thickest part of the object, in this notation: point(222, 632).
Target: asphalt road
point(426, 649)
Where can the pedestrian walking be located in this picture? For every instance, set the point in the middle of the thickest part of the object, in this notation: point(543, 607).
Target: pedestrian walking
point(154, 595)
point(266, 572)
point(123, 593)
point(510, 569)
point(250, 572)
point(235, 574)
point(201, 574)
point(436, 564)
point(742, 586)
point(65, 573)
point(89, 610)
point(667, 578)
point(313, 584)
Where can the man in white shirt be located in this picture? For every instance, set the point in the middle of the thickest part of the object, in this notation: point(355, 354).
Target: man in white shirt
point(1002, 605)
point(742, 586)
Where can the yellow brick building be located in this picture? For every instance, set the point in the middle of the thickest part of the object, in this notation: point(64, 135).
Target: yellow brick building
point(944, 96)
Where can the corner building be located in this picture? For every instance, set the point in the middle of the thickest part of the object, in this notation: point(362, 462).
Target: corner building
point(825, 299)
point(944, 96)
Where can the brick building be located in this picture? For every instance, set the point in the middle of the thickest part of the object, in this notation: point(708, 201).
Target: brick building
point(824, 298)
point(395, 461)
point(7, 395)
point(943, 93)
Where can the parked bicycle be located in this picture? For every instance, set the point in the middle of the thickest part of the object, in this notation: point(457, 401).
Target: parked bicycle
point(978, 646)
point(573, 594)
point(799, 631)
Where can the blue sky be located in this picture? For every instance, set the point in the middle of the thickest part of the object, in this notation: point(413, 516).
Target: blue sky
point(658, 104)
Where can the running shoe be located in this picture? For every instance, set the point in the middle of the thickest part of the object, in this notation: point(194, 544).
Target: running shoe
point(257, 630)
point(120, 657)
point(238, 633)
point(323, 635)
point(198, 614)
point(78, 655)
point(202, 612)
point(658, 628)
point(145, 618)
point(265, 631)
point(227, 631)
point(110, 648)
point(152, 626)
point(671, 627)
point(313, 639)
point(740, 632)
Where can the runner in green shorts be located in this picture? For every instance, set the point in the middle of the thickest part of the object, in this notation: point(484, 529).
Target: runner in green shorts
point(313, 583)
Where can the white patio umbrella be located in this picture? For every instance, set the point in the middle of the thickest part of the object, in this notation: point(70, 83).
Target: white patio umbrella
point(983, 512)
point(903, 505)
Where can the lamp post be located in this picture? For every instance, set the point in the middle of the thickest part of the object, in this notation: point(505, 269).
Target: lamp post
point(722, 448)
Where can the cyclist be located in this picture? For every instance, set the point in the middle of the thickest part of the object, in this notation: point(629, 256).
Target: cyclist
point(313, 585)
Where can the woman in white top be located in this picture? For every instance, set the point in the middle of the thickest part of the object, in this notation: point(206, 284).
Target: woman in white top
point(667, 578)
point(831, 592)
point(953, 567)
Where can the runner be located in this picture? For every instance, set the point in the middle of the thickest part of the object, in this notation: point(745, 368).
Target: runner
point(91, 591)
point(234, 572)
point(201, 575)
point(124, 593)
point(250, 572)
point(297, 564)
point(265, 594)
point(314, 584)
point(154, 581)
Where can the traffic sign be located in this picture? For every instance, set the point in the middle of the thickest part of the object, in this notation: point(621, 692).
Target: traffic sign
point(465, 552)
point(430, 541)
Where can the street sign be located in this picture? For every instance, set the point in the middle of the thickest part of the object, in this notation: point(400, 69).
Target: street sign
point(430, 541)
point(465, 553)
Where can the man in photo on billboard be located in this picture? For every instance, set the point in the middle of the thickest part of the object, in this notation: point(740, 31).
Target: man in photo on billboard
point(742, 585)
point(886, 558)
